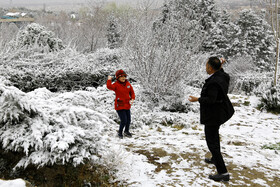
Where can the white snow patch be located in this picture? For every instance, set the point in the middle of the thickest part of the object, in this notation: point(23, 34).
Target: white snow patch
point(260, 182)
point(12, 183)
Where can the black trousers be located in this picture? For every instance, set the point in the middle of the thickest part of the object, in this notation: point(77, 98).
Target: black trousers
point(213, 143)
point(125, 118)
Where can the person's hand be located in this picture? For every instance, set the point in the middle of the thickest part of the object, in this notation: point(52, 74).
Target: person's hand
point(222, 60)
point(109, 77)
point(193, 99)
point(131, 101)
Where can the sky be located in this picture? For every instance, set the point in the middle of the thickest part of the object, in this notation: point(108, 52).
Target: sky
point(62, 4)
point(75, 4)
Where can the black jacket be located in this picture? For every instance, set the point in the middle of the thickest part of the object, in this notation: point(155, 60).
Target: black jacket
point(215, 106)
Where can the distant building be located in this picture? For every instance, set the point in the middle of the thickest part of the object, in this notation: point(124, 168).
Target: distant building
point(16, 17)
point(74, 16)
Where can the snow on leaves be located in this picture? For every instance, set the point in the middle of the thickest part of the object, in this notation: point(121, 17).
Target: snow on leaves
point(37, 36)
point(50, 128)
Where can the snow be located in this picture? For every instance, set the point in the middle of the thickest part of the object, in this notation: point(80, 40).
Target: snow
point(159, 153)
point(172, 157)
point(13, 14)
point(260, 182)
point(12, 183)
point(167, 149)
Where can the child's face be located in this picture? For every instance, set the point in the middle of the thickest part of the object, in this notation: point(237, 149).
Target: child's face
point(122, 79)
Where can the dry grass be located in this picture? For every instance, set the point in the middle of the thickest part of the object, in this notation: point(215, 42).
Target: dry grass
point(178, 126)
point(153, 156)
point(238, 173)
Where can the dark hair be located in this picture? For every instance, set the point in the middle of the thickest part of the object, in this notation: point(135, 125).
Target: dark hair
point(215, 63)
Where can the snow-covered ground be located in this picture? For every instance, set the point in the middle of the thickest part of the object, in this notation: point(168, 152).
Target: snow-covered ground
point(13, 183)
point(159, 155)
point(167, 149)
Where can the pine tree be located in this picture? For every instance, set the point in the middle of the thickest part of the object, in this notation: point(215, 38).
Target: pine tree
point(222, 38)
point(113, 35)
point(179, 22)
point(194, 20)
point(256, 38)
point(209, 14)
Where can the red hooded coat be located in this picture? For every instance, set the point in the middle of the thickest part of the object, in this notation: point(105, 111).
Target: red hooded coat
point(124, 93)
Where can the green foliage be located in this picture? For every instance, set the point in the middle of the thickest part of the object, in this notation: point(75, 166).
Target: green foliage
point(272, 146)
point(246, 103)
point(270, 99)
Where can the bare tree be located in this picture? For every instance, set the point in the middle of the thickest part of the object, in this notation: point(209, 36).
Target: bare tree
point(8, 31)
point(161, 57)
point(86, 33)
point(273, 9)
point(145, 5)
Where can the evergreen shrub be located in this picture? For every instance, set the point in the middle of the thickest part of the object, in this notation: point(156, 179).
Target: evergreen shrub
point(46, 128)
point(65, 70)
point(35, 36)
point(270, 99)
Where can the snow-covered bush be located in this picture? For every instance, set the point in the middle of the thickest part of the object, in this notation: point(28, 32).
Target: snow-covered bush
point(248, 82)
point(4, 81)
point(159, 68)
point(270, 99)
point(240, 64)
point(244, 77)
point(238, 69)
point(176, 107)
point(147, 113)
point(49, 128)
point(64, 70)
point(146, 118)
point(106, 56)
point(37, 37)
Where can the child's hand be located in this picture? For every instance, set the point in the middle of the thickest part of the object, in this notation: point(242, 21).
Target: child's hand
point(131, 101)
point(222, 60)
point(193, 99)
point(109, 77)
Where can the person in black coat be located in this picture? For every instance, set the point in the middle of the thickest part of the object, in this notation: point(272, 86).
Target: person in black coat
point(215, 109)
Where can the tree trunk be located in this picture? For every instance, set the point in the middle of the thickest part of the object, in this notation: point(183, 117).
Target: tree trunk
point(276, 63)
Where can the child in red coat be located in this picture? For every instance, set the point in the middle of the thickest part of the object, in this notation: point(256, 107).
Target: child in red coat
point(125, 97)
